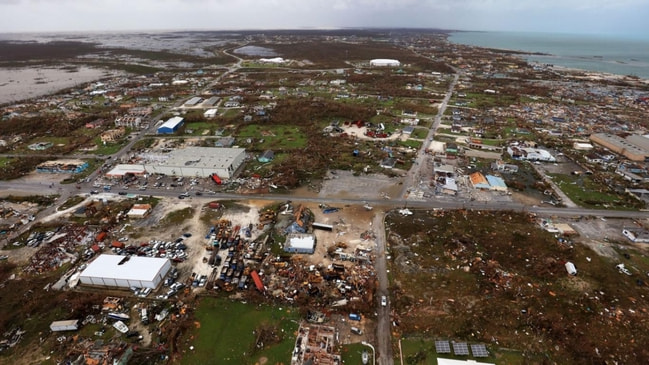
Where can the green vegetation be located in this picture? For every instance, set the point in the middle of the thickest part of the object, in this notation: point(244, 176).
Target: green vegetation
point(108, 148)
point(177, 216)
point(41, 200)
point(72, 201)
point(4, 161)
point(586, 192)
point(142, 144)
point(230, 332)
point(411, 143)
point(276, 137)
point(351, 354)
point(420, 133)
point(200, 128)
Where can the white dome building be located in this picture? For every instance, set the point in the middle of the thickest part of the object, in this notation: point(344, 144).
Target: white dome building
point(384, 62)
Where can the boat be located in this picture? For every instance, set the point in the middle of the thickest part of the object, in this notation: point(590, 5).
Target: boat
point(118, 316)
point(365, 357)
point(120, 326)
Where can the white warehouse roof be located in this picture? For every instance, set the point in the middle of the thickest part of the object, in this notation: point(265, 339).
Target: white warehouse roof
point(204, 157)
point(172, 123)
point(136, 271)
point(123, 169)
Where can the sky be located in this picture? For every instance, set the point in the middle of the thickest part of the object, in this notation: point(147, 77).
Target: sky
point(556, 16)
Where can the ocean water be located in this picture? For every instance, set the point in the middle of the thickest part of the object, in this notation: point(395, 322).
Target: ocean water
point(603, 53)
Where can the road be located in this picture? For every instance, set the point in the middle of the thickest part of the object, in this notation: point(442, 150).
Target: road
point(383, 336)
point(412, 178)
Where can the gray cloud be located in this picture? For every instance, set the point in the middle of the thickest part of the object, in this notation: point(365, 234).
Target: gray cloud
point(524, 15)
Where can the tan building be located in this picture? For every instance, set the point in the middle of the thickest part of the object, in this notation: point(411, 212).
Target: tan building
point(112, 135)
point(630, 147)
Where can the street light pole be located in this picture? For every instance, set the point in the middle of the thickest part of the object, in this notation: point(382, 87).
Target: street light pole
point(373, 352)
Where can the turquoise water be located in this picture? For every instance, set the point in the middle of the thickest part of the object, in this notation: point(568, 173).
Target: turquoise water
point(612, 54)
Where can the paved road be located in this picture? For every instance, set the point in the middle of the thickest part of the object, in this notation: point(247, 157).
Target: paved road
point(383, 336)
point(412, 179)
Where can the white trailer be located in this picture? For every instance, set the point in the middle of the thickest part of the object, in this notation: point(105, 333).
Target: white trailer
point(69, 325)
point(570, 268)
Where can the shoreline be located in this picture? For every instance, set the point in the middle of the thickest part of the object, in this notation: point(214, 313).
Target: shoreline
point(526, 55)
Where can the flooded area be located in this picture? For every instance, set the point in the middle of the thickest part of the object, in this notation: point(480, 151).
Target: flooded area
point(25, 83)
point(255, 51)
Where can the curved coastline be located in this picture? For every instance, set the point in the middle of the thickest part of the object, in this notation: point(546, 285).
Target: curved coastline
point(574, 52)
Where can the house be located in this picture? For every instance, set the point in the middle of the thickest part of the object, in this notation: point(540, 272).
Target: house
point(479, 181)
point(231, 104)
point(62, 166)
point(501, 166)
point(448, 186)
point(530, 154)
point(632, 172)
point(388, 163)
point(139, 211)
point(224, 142)
point(594, 158)
point(410, 121)
point(112, 135)
point(452, 148)
point(444, 170)
point(95, 124)
point(211, 113)
point(408, 130)
point(496, 183)
point(266, 157)
point(130, 121)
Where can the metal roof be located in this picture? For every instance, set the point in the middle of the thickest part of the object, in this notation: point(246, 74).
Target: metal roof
point(135, 268)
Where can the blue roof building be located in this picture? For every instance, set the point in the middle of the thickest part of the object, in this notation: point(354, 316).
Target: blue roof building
point(171, 126)
point(496, 183)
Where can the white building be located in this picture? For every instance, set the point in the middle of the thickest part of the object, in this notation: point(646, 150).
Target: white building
point(300, 243)
point(443, 361)
point(530, 154)
point(210, 113)
point(275, 60)
point(122, 170)
point(125, 271)
point(582, 146)
point(384, 62)
point(199, 162)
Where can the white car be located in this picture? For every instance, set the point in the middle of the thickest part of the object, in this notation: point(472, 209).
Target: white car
point(384, 301)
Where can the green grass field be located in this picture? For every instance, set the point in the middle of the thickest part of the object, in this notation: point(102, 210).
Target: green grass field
point(276, 137)
point(351, 354)
point(226, 333)
point(587, 193)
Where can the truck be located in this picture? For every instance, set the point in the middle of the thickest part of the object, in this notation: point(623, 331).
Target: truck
point(216, 179)
point(354, 317)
